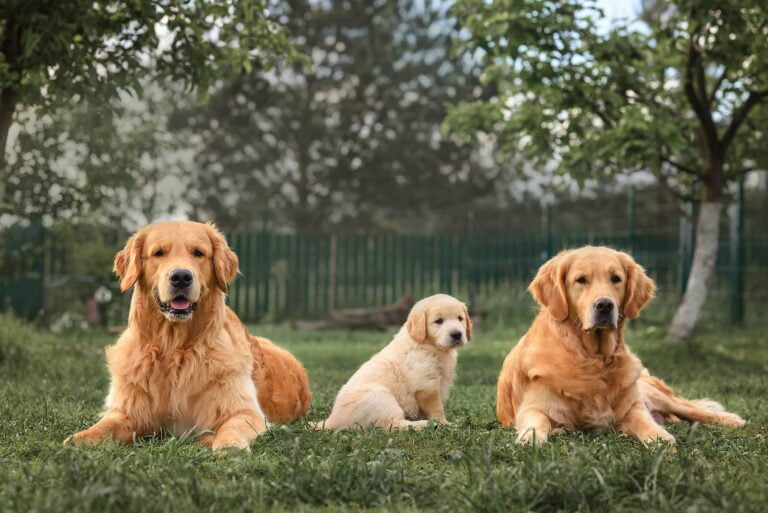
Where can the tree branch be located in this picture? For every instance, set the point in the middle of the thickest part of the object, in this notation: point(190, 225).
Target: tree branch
point(716, 87)
point(740, 114)
point(700, 108)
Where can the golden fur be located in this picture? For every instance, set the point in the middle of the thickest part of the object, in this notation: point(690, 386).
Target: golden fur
point(572, 369)
point(200, 370)
point(408, 381)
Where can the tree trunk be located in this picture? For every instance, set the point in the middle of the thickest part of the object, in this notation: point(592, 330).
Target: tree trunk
point(704, 256)
point(8, 99)
point(9, 96)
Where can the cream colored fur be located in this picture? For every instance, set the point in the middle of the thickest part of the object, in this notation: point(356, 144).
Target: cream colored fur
point(408, 381)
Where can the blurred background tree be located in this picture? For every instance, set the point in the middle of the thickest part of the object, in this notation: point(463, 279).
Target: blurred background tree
point(65, 60)
point(351, 142)
point(682, 94)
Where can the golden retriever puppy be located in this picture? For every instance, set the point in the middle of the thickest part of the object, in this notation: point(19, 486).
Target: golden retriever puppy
point(572, 369)
point(185, 361)
point(408, 381)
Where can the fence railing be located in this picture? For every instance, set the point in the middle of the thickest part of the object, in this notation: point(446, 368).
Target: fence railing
point(306, 275)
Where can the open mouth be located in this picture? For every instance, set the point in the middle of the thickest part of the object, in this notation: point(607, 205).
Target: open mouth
point(178, 308)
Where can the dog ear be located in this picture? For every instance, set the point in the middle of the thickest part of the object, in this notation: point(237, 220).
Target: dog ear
point(127, 264)
point(640, 288)
point(417, 323)
point(467, 323)
point(225, 262)
point(548, 287)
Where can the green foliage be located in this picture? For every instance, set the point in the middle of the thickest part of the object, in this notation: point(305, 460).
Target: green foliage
point(673, 94)
point(470, 465)
point(84, 48)
point(66, 69)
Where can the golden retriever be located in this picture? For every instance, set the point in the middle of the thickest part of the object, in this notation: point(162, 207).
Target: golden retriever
point(572, 369)
point(185, 361)
point(408, 381)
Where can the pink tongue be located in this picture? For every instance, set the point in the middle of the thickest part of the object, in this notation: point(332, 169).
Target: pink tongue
point(180, 304)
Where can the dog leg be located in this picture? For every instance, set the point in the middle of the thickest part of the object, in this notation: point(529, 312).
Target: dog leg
point(239, 430)
point(638, 423)
point(113, 425)
point(431, 405)
point(661, 398)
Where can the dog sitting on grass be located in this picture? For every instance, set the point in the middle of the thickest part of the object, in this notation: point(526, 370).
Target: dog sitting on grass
point(407, 382)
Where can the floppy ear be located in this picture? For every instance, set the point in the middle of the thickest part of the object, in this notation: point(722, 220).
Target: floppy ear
point(225, 263)
point(417, 323)
point(127, 264)
point(640, 288)
point(467, 323)
point(548, 287)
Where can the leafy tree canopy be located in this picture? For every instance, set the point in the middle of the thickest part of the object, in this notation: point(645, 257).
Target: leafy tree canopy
point(681, 92)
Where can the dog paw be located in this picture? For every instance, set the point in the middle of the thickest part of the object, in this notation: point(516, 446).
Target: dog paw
point(731, 420)
point(660, 435)
point(530, 436)
point(223, 443)
point(87, 437)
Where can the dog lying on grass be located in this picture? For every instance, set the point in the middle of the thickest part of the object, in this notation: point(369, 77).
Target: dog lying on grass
point(572, 369)
point(185, 361)
point(408, 381)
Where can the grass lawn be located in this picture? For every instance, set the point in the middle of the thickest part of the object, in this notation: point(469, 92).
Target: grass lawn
point(53, 385)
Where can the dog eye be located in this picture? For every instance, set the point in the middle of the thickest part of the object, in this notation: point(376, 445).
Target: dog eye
point(158, 253)
point(615, 279)
point(461, 318)
point(439, 321)
point(198, 253)
point(581, 279)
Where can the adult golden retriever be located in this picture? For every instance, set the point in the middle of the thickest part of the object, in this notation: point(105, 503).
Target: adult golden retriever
point(408, 381)
point(186, 362)
point(572, 369)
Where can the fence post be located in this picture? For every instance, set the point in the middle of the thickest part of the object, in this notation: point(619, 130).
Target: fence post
point(547, 230)
point(686, 245)
point(471, 282)
point(631, 218)
point(736, 260)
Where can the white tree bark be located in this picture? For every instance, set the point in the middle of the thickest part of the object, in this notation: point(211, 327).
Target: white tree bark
point(704, 256)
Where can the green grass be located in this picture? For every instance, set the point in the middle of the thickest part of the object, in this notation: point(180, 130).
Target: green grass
point(53, 385)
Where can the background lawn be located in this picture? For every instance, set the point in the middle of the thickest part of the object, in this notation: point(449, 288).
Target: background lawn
point(53, 385)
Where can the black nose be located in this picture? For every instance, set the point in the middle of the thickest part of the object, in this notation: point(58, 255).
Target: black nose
point(181, 278)
point(604, 305)
point(456, 335)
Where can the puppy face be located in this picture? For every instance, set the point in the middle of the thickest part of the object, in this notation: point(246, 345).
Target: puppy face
point(594, 286)
point(179, 263)
point(440, 320)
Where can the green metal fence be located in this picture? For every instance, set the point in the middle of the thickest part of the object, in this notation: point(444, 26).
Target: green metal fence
point(305, 276)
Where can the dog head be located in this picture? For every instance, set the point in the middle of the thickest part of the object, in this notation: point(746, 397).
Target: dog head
point(594, 286)
point(180, 263)
point(440, 320)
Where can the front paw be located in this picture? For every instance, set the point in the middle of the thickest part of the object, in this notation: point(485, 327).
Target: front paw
point(88, 437)
point(531, 436)
point(230, 442)
point(659, 435)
